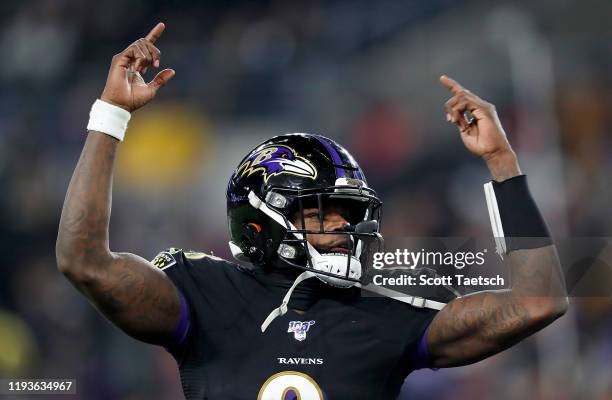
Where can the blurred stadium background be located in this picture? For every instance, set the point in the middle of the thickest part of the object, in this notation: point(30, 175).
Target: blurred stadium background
point(362, 72)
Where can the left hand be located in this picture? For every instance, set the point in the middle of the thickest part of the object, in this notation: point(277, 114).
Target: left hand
point(484, 137)
point(125, 86)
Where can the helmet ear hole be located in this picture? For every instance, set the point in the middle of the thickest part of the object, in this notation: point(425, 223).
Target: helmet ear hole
point(275, 193)
point(255, 227)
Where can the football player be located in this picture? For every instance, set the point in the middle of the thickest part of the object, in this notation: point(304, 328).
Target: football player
point(302, 216)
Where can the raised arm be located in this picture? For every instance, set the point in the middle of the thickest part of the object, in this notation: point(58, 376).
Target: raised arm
point(477, 326)
point(126, 288)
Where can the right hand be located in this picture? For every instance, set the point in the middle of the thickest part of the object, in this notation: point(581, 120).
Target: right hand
point(125, 86)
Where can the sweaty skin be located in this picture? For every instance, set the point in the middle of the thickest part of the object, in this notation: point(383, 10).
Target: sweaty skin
point(474, 327)
point(143, 302)
point(333, 219)
point(127, 289)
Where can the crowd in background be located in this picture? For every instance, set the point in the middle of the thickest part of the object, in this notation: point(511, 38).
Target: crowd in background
point(363, 73)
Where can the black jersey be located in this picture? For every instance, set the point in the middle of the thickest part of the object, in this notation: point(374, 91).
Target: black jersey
point(342, 346)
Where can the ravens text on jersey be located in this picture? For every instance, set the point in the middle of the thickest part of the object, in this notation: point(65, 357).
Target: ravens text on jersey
point(343, 345)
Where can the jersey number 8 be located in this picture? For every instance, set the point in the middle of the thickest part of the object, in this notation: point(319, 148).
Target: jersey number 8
point(278, 386)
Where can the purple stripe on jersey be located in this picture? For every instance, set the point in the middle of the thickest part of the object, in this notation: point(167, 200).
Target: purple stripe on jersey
point(333, 154)
point(182, 329)
point(420, 359)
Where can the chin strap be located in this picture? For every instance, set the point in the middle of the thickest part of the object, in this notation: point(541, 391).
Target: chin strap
point(282, 309)
point(415, 301)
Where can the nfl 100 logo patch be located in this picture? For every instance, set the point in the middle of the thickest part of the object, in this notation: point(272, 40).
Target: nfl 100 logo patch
point(299, 329)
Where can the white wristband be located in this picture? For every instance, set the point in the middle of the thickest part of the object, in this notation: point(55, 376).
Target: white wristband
point(107, 118)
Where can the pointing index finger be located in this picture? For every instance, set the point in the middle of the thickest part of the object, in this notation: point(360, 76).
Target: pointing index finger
point(156, 32)
point(451, 84)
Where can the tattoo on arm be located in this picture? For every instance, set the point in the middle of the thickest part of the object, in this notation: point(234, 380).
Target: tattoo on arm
point(137, 297)
point(127, 289)
point(477, 326)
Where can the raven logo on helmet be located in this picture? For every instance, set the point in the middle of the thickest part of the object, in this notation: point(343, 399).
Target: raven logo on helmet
point(275, 160)
point(266, 201)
